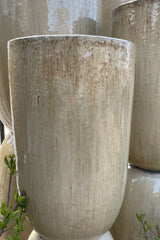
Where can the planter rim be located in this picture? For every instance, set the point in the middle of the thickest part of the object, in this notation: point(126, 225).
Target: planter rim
point(131, 166)
point(101, 39)
point(130, 4)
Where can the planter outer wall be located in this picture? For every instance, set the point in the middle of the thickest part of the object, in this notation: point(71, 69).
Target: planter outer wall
point(72, 96)
point(142, 195)
point(139, 21)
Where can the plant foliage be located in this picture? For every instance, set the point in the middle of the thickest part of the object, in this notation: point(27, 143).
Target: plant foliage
point(13, 217)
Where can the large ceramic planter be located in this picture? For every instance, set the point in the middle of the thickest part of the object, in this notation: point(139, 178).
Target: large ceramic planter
point(72, 103)
point(35, 236)
point(106, 17)
point(34, 17)
point(142, 195)
point(139, 21)
point(7, 149)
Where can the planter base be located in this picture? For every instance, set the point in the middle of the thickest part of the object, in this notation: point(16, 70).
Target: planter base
point(107, 236)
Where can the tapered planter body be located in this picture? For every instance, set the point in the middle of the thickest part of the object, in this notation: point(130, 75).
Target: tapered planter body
point(139, 21)
point(142, 196)
point(72, 96)
point(27, 17)
point(6, 149)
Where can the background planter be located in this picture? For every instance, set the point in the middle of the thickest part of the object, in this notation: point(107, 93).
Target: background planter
point(6, 150)
point(139, 21)
point(142, 195)
point(106, 21)
point(27, 17)
point(74, 105)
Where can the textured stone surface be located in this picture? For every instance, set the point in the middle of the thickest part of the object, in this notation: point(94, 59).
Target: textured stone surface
point(72, 102)
point(142, 195)
point(7, 149)
point(139, 21)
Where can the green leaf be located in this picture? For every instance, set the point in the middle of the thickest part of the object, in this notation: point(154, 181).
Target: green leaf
point(143, 235)
point(4, 209)
point(139, 217)
point(15, 214)
point(146, 228)
point(9, 214)
point(3, 225)
point(9, 237)
point(156, 238)
point(143, 215)
point(11, 208)
point(13, 167)
point(6, 220)
point(6, 161)
point(16, 195)
point(23, 217)
point(12, 156)
point(22, 201)
point(151, 224)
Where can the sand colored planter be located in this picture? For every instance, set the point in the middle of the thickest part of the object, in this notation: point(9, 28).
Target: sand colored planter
point(106, 17)
point(34, 17)
point(139, 21)
point(35, 236)
point(72, 96)
point(142, 195)
point(6, 149)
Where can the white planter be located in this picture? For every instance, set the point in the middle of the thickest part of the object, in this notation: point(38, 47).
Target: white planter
point(142, 195)
point(72, 102)
point(6, 149)
point(139, 22)
point(35, 236)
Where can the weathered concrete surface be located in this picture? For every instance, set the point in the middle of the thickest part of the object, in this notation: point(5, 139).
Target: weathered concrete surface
point(72, 103)
point(139, 21)
point(142, 196)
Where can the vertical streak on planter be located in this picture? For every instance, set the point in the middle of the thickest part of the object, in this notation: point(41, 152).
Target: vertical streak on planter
point(139, 21)
point(72, 96)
